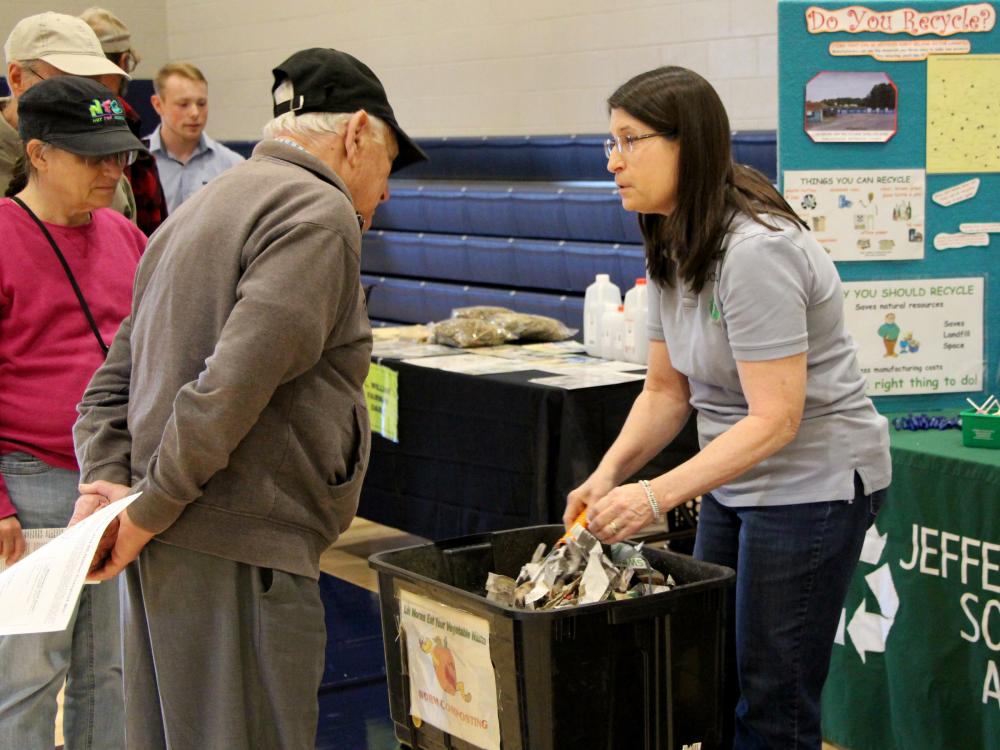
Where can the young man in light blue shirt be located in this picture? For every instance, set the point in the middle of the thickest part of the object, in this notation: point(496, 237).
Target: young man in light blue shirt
point(185, 157)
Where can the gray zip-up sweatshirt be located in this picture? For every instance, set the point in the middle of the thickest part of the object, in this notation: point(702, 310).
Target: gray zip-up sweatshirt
point(232, 395)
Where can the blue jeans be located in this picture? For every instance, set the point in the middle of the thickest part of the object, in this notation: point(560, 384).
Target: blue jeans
point(87, 655)
point(793, 566)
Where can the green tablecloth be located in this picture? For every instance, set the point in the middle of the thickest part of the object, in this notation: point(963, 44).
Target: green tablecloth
point(917, 663)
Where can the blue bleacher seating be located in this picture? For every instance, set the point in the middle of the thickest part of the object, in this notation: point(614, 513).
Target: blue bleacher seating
point(588, 212)
point(520, 221)
point(539, 158)
point(554, 158)
point(552, 265)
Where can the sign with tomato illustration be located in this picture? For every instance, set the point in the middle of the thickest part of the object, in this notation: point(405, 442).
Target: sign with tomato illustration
point(452, 685)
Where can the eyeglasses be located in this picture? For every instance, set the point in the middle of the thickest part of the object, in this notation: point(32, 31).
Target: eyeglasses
point(121, 159)
point(129, 62)
point(623, 143)
point(34, 72)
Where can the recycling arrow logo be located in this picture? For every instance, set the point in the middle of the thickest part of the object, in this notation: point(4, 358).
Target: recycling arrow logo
point(869, 631)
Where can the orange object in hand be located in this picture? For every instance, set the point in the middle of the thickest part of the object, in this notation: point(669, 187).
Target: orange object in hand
point(581, 520)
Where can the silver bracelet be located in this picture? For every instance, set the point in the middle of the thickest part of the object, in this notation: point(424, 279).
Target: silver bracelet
point(657, 517)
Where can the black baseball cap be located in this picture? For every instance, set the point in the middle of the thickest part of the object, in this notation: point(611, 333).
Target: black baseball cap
point(327, 80)
point(75, 114)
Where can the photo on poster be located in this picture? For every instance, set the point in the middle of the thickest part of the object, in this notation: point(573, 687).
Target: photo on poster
point(917, 336)
point(963, 114)
point(862, 214)
point(850, 107)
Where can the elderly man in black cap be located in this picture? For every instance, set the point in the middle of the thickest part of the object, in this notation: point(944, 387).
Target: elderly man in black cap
point(232, 400)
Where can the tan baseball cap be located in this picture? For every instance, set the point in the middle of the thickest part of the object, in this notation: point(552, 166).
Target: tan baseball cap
point(111, 31)
point(65, 42)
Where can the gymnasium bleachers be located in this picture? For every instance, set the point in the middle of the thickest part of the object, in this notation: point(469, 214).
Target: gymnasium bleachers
point(523, 222)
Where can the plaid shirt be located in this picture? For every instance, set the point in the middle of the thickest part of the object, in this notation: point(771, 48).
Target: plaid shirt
point(150, 202)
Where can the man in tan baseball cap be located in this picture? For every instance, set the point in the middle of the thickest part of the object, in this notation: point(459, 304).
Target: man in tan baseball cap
point(64, 42)
point(115, 38)
point(143, 176)
point(42, 46)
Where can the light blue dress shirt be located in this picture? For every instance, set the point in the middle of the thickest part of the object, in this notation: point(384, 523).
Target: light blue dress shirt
point(181, 181)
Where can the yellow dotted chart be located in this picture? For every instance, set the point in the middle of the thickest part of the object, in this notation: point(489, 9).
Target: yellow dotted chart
point(963, 113)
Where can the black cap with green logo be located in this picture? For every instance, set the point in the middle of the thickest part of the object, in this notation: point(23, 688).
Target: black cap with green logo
point(75, 114)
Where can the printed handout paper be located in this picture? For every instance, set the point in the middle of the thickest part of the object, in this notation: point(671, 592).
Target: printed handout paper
point(34, 540)
point(39, 593)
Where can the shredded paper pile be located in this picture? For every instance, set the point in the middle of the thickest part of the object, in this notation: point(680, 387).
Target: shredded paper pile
point(578, 572)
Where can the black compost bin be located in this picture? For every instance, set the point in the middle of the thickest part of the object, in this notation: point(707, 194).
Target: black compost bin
point(634, 674)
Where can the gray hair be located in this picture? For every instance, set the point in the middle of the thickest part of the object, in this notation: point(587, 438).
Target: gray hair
point(312, 124)
point(22, 64)
point(24, 169)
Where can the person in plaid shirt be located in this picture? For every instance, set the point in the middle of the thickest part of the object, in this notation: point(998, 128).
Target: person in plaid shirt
point(116, 41)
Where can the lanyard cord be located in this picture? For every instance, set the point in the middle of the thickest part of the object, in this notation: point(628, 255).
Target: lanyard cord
point(69, 275)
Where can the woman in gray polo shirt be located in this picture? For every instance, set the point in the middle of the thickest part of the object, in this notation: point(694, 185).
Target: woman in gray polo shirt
point(746, 326)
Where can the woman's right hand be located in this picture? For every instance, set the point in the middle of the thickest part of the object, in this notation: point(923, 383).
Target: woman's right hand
point(11, 540)
point(596, 487)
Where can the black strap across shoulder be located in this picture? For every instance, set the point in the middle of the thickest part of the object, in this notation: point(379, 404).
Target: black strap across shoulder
point(69, 275)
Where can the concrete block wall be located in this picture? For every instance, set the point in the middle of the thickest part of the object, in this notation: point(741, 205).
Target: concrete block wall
point(483, 67)
point(459, 67)
point(146, 19)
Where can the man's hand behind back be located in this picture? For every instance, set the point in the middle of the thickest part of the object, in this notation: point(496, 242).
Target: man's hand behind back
point(122, 541)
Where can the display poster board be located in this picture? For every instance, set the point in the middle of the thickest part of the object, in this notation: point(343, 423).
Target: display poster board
point(889, 148)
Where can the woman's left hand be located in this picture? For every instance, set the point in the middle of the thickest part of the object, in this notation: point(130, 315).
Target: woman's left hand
point(619, 514)
point(11, 540)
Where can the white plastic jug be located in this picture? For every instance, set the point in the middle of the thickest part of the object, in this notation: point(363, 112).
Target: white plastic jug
point(613, 332)
point(598, 294)
point(636, 343)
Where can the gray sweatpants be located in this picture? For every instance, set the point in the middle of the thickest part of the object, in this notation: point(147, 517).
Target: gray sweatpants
point(219, 654)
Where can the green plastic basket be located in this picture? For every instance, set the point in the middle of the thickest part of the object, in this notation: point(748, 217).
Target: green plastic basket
point(980, 430)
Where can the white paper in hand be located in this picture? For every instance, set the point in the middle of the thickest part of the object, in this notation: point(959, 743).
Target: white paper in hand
point(39, 593)
point(34, 540)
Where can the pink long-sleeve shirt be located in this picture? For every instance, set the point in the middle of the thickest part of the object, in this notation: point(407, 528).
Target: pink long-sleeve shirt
point(48, 351)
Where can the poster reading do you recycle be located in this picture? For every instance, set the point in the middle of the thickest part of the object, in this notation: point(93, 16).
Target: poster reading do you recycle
point(921, 336)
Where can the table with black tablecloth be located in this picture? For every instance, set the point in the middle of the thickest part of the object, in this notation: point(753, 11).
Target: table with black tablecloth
point(486, 452)
point(917, 663)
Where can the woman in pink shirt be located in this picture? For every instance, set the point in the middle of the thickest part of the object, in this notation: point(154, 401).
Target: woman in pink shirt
point(66, 269)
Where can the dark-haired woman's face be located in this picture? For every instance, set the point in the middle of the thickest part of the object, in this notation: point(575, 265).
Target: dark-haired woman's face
point(645, 170)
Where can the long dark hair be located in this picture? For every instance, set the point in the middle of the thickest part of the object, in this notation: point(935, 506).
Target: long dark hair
point(710, 188)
